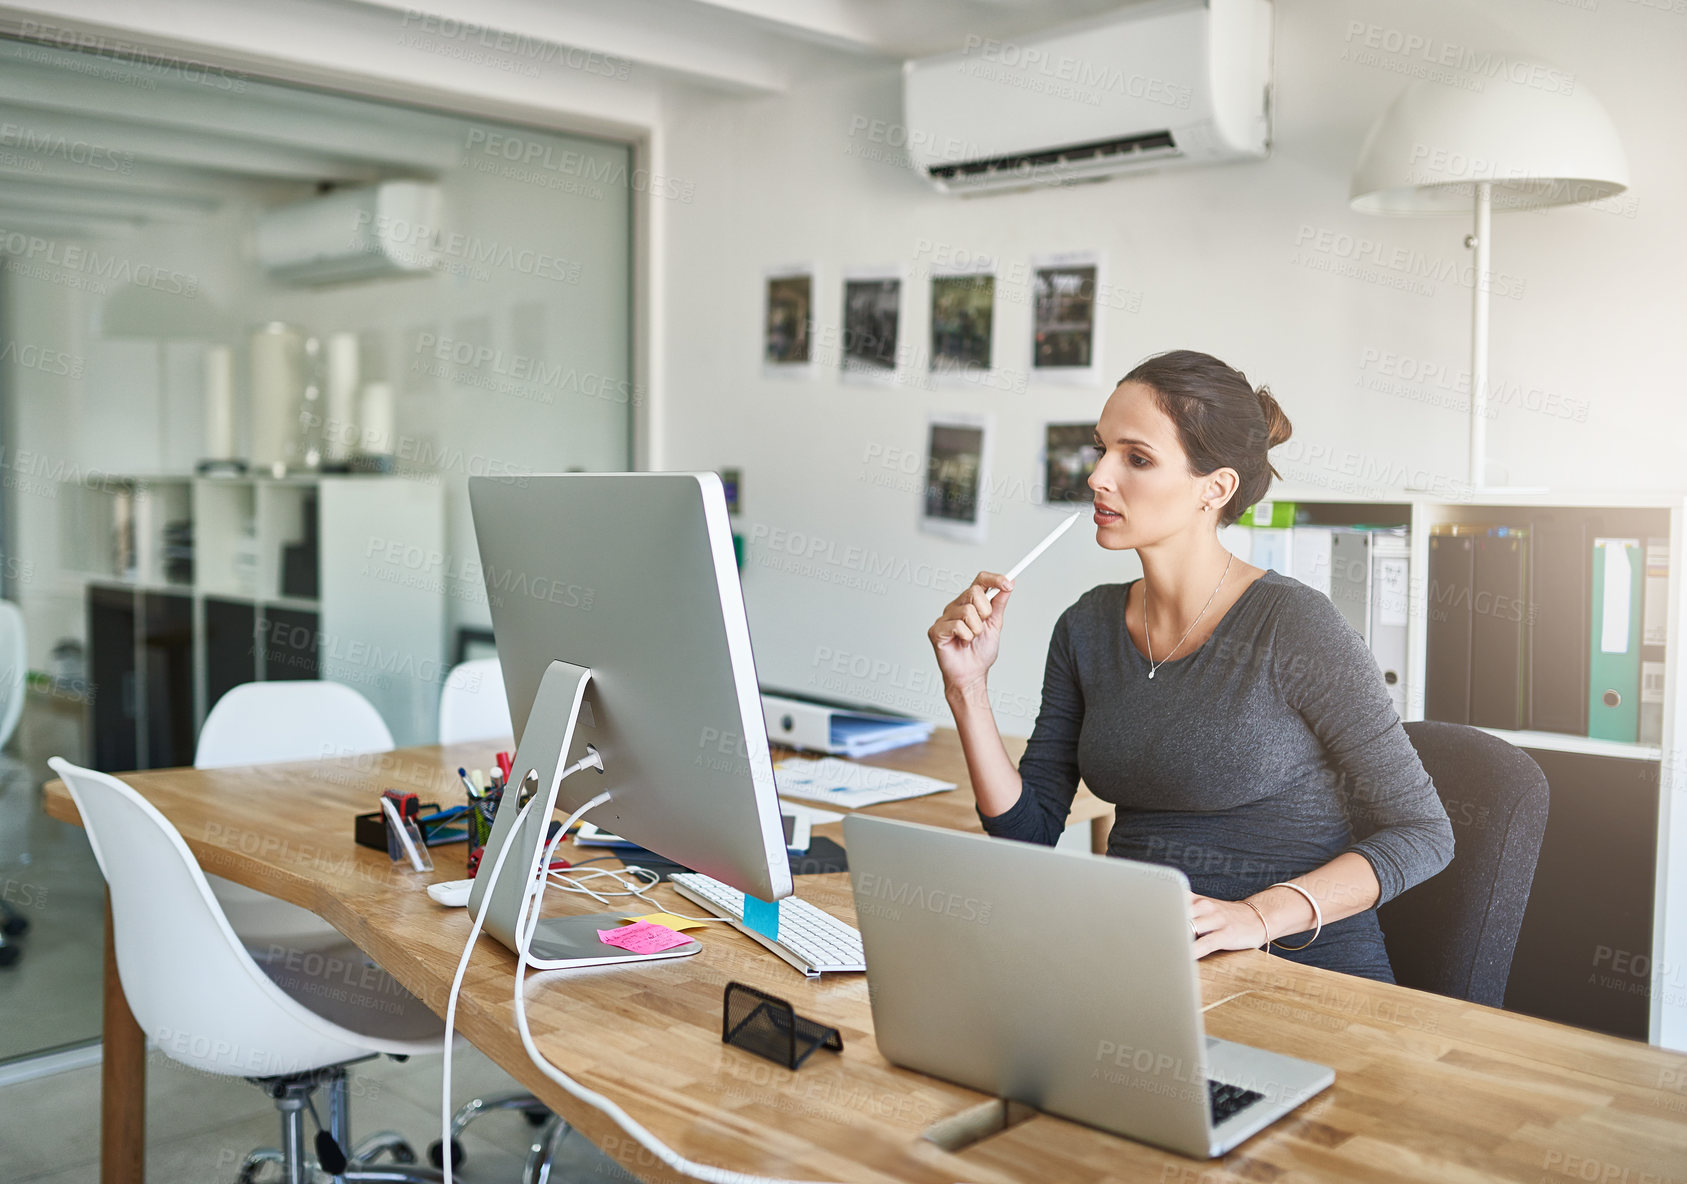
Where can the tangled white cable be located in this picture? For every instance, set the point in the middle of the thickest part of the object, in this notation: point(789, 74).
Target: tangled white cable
point(531, 901)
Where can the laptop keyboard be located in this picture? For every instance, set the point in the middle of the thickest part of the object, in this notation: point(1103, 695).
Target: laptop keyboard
point(1227, 1100)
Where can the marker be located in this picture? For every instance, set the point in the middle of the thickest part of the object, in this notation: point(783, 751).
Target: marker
point(1013, 572)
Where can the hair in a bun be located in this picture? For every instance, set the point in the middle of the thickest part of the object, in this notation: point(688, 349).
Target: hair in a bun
point(1222, 421)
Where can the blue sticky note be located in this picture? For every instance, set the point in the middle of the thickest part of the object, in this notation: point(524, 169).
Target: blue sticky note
point(762, 916)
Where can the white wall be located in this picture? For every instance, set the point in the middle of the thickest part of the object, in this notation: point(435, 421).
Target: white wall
point(1236, 261)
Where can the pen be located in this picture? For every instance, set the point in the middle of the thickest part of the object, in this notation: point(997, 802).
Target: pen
point(1013, 572)
point(463, 774)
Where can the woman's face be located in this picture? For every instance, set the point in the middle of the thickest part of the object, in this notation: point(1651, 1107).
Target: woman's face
point(1144, 491)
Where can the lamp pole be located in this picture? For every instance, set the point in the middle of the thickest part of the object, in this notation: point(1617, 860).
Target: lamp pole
point(1479, 285)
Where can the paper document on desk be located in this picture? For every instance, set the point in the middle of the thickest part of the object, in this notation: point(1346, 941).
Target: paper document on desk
point(840, 783)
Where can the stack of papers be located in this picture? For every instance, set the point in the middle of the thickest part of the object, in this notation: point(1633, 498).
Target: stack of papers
point(864, 735)
point(839, 783)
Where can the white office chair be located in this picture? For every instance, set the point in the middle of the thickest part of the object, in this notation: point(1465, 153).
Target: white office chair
point(204, 1000)
point(260, 723)
point(472, 704)
point(14, 669)
point(304, 719)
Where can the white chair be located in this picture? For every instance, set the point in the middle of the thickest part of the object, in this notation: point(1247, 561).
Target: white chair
point(472, 704)
point(14, 668)
point(260, 723)
point(205, 1002)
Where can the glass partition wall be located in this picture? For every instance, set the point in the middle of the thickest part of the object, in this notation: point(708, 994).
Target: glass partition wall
point(253, 340)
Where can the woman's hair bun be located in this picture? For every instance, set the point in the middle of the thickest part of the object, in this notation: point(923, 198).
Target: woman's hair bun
point(1277, 425)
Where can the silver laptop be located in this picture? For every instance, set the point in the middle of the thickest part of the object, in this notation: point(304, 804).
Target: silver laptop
point(1058, 979)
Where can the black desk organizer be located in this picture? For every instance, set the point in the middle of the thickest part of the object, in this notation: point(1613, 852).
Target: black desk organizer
point(765, 1025)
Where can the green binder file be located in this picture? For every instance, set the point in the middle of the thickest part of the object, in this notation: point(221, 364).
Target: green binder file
point(1613, 701)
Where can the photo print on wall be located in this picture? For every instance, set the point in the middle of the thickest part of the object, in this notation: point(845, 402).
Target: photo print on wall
point(788, 320)
point(872, 313)
point(957, 475)
point(1065, 345)
point(963, 312)
point(1068, 460)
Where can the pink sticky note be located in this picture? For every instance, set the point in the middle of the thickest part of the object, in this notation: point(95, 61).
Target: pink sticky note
point(643, 937)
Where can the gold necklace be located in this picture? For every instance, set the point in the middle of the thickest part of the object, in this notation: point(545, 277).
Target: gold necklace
point(1152, 664)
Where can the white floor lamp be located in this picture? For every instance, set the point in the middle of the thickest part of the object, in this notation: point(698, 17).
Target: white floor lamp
point(1530, 137)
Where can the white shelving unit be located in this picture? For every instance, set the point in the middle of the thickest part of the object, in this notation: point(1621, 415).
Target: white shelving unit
point(1661, 514)
point(384, 638)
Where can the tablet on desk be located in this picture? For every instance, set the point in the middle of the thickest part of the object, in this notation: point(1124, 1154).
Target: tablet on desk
point(798, 836)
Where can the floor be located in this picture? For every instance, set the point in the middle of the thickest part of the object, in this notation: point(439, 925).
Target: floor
point(199, 1127)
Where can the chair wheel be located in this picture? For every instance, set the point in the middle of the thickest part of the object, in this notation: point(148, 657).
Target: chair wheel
point(14, 926)
point(536, 1118)
point(437, 1158)
point(9, 955)
point(404, 1153)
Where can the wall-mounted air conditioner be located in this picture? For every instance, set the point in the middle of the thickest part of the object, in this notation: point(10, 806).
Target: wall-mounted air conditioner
point(362, 233)
point(1159, 83)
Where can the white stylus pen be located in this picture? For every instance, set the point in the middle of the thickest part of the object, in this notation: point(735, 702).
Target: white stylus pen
point(1013, 572)
point(403, 834)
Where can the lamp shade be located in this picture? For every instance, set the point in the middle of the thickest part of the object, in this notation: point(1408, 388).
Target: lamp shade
point(1532, 131)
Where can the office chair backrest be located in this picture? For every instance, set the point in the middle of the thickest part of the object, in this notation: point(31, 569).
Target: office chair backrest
point(192, 986)
point(1455, 933)
point(14, 668)
point(472, 705)
point(260, 723)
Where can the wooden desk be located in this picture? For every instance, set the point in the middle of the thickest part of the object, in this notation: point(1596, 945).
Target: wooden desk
point(1426, 1088)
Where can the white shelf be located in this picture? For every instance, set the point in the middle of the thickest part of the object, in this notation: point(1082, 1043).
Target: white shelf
point(1565, 742)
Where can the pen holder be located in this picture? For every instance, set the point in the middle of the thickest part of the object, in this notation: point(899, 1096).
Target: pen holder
point(481, 813)
point(765, 1025)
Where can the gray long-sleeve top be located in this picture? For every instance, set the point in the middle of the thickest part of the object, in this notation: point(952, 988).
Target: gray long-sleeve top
point(1265, 753)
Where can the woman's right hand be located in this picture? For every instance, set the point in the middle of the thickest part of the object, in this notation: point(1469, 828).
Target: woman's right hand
point(969, 633)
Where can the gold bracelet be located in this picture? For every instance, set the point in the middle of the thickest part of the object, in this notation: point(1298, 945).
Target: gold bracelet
point(1317, 915)
point(1262, 924)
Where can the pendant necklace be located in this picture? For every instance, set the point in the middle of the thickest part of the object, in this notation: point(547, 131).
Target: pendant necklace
point(1152, 664)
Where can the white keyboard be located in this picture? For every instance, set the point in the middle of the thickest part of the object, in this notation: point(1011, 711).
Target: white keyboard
point(813, 941)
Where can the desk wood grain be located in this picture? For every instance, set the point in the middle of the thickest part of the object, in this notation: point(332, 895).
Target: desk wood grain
point(1426, 1088)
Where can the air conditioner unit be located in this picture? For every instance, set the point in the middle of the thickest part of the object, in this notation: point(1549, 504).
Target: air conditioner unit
point(1160, 83)
point(362, 233)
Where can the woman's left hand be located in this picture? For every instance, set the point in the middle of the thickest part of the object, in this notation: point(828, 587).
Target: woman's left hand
point(1224, 925)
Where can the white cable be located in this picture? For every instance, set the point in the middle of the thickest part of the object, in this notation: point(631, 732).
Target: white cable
point(533, 895)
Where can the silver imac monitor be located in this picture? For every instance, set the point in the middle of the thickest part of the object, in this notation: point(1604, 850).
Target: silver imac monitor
point(632, 578)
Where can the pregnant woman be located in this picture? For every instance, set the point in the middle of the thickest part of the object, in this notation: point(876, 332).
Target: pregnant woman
point(1232, 716)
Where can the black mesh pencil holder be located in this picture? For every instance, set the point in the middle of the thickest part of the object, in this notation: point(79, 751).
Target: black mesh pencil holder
point(765, 1025)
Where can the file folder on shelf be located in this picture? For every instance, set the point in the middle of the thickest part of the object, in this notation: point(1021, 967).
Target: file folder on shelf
point(1498, 651)
point(1654, 628)
point(1613, 702)
point(1390, 590)
point(1560, 584)
point(1446, 691)
point(840, 731)
point(1350, 576)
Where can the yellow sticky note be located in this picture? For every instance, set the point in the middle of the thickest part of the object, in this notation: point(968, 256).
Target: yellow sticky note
point(672, 922)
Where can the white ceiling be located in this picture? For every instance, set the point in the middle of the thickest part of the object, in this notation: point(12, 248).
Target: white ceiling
point(106, 146)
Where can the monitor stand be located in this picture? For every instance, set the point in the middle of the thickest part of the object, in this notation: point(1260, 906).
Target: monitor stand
point(558, 942)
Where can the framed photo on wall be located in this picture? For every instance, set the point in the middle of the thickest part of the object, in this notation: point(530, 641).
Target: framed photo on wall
point(788, 320)
point(872, 323)
point(957, 475)
point(1069, 458)
point(963, 325)
point(1066, 340)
